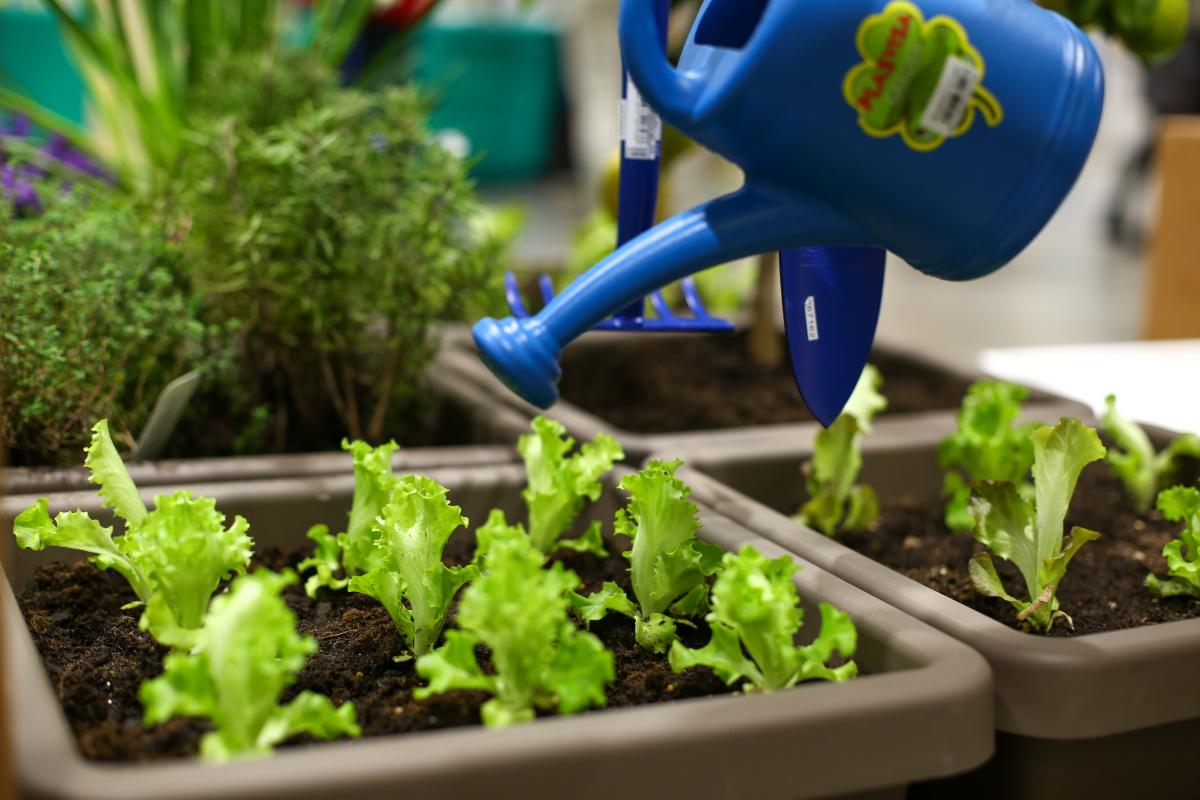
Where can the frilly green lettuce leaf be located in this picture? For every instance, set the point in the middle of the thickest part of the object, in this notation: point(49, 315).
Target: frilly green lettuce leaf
point(106, 469)
point(754, 620)
point(559, 484)
point(243, 658)
point(1133, 459)
point(986, 445)
point(409, 578)
point(1030, 534)
point(1180, 504)
point(835, 503)
point(519, 611)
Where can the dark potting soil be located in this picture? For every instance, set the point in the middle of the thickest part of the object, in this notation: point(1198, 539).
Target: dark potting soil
point(1104, 587)
point(666, 384)
point(97, 658)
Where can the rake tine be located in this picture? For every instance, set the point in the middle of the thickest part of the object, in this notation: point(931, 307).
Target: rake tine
point(659, 304)
point(691, 296)
point(512, 293)
point(547, 288)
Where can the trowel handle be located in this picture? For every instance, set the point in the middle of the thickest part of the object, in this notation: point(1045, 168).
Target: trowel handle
point(641, 161)
point(643, 33)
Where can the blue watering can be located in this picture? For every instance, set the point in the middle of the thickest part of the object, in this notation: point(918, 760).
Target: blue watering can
point(946, 131)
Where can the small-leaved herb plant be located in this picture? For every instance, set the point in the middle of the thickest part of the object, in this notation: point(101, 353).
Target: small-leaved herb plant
point(1030, 533)
point(754, 620)
point(409, 578)
point(1180, 504)
point(237, 666)
point(540, 660)
point(338, 233)
point(1134, 460)
point(987, 445)
point(174, 556)
point(96, 318)
point(668, 566)
point(559, 484)
point(836, 503)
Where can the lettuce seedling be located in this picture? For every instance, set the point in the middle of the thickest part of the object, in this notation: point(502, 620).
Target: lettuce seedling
point(668, 565)
point(518, 610)
point(559, 485)
point(243, 658)
point(173, 557)
point(1134, 461)
point(987, 445)
point(1030, 534)
point(1180, 504)
point(836, 503)
point(754, 619)
point(354, 550)
point(409, 578)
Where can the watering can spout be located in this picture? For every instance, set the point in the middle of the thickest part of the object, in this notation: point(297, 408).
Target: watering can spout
point(524, 352)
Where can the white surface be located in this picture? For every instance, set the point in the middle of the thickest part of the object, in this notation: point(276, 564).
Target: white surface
point(1155, 382)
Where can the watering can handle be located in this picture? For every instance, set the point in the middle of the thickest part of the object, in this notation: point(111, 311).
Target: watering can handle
point(672, 93)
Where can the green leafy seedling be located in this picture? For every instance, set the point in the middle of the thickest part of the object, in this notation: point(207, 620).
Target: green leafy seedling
point(1030, 534)
point(173, 557)
point(1134, 460)
point(754, 620)
point(668, 565)
point(987, 445)
point(409, 578)
point(558, 486)
point(836, 503)
point(354, 552)
point(518, 610)
point(240, 662)
point(1180, 504)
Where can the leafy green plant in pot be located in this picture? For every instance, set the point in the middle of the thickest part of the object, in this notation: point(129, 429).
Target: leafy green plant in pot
point(836, 502)
point(339, 235)
point(668, 565)
point(1029, 533)
point(173, 556)
point(987, 444)
point(97, 315)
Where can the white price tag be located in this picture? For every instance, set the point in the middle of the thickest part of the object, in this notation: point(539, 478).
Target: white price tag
point(951, 98)
point(641, 127)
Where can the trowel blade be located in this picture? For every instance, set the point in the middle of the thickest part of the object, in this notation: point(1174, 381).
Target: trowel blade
point(831, 299)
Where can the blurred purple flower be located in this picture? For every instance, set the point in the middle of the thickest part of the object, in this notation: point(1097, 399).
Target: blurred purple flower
point(18, 181)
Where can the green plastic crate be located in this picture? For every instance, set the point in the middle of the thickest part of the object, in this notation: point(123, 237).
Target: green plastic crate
point(498, 85)
point(34, 62)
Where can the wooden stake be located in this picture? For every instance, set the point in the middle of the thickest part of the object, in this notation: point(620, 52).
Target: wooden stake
point(1173, 275)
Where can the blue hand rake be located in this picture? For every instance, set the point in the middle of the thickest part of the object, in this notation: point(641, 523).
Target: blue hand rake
point(641, 157)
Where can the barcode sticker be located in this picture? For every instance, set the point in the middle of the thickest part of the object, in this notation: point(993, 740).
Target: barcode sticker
point(952, 97)
point(641, 127)
point(810, 318)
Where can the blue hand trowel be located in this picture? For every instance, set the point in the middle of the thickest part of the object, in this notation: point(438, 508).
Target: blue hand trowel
point(831, 300)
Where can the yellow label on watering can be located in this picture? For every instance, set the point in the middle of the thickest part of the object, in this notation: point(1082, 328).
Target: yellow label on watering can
point(920, 79)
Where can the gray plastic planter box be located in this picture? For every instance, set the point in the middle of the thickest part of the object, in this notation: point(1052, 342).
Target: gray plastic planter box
point(1110, 715)
point(922, 710)
point(461, 399)
point(459, 357)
